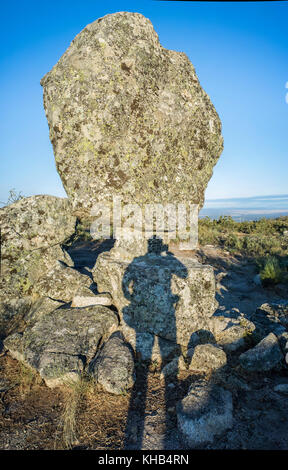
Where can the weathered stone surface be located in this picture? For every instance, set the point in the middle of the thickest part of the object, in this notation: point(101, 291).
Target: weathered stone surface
point(41, 307)
point(113, 368)
point(12, 314)
point(163, 295)
point(204, 413)
point(173, 367)
point(128, 117)
point(62, 282)
point(265, 356)
point(149, 347)
point(207, 357)
point(60, 343)
point(231, 333)
point(32, 230)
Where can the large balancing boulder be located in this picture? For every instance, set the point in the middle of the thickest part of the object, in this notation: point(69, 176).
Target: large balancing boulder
point(128, 117)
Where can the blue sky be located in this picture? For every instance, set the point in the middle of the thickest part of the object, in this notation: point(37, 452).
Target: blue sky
point(239, 50)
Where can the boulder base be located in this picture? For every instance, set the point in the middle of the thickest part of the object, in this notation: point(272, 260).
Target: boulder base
point(163, 295)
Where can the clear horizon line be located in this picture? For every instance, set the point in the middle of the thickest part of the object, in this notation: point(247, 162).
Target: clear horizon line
point(246, 197)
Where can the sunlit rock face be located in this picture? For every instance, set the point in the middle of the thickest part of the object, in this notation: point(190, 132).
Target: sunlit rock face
point(32, 231)
point(168, 297)
point(128, 117)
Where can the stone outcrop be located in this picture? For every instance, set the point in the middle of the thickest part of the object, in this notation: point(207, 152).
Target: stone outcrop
point(88, 298)
point(60, 343)
point(128, 117)
point(32, 231)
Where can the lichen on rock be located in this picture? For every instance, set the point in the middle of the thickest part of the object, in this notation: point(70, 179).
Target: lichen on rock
point(32, 231)
point(128, 117)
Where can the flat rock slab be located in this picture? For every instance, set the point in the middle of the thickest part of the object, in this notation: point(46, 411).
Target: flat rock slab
point(61, 342)
point(206, 412)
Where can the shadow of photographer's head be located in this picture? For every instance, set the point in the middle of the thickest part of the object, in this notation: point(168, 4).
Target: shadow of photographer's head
point(155, 245)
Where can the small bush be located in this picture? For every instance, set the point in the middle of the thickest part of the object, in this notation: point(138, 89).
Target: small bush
point(271, 272)
point(14, 196)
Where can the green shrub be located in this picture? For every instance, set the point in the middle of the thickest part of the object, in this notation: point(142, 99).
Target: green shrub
point(271, 271)
point(233, 242)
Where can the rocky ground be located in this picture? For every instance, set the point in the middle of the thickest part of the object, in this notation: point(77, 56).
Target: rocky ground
point(36, 417)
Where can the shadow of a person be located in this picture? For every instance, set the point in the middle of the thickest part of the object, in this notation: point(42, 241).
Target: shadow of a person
point(147, 285)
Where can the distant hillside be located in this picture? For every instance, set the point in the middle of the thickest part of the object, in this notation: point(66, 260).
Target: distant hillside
point(248, 208)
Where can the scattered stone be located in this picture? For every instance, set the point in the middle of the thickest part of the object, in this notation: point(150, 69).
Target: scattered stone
point(231, 333)
point(274, 312)
point(206, 412)
point(61, 342)
point(113, 368)
point(263, 357)
point(207, 357)
point(92, 299)
point(233, 383)
point(14, 344)
point(144, 128)
point(173, 367)
point(283, 341)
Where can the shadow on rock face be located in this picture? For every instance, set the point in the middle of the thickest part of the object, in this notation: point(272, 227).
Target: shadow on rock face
point(153, 290)
point(84, 254)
